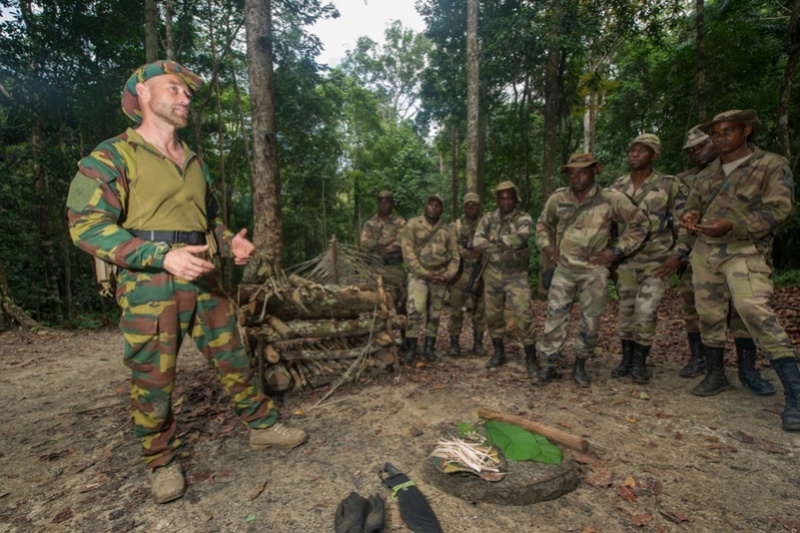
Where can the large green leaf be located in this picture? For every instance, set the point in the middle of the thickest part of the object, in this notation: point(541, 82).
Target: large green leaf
point(521, 445)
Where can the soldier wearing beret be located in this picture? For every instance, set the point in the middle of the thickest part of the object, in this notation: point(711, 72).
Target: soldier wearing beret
point(574, 231)
point(431, 254)
point(643, 274)
point(735, 207)
point(471, 260)
point(502, 237)
point(142, 201)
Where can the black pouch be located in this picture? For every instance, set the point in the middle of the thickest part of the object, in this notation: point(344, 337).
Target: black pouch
point(547, 277)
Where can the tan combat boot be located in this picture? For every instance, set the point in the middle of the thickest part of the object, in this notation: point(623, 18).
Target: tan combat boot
point(167, 483)
point(276, 435)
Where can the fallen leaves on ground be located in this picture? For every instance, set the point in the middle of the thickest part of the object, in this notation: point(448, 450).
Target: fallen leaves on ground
point(676, 516)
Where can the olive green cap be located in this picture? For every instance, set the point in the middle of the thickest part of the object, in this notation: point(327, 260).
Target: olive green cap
point(694, 137)
point(748, 117)
point(471, 197)
point(385, 194)
point(435, 197)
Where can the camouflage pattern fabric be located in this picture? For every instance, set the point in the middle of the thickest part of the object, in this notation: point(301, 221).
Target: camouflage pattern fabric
point(381, 237)
point(427, 250)
point(504, 242)
point(757, 197)
point(661, 198)
point(590, 283)
point(157, 308)
point(464, 230)
point(578, 230)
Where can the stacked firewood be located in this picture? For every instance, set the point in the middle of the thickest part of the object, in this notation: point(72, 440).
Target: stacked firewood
point(303, 334)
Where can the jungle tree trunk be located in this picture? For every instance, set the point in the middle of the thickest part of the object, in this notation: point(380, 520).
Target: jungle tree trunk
point(784, 142)
point(168, 34)
point(473, 89)
point(701, 61)
point(44, 210)
point(267, 223)
point(552, 93)
point(150, 30)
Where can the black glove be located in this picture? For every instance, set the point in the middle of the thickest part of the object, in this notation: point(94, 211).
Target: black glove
point(350, 514)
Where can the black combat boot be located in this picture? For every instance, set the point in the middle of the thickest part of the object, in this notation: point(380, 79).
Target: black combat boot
point(624, 367)
point(789, 374)
point(455, 349)
point(746, 363)
point(639, 368)
point(697, 364)
point(477, 343)
point(531, 362)
point(715, 381)
point(579, 374)
point(547, 371)
point(410, 350)
point(427, 353)
point(499, 357)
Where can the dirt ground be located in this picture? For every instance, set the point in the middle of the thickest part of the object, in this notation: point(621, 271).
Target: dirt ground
point(661, 459)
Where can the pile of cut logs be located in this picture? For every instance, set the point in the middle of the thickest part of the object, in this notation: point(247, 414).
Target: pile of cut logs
point(302, 334)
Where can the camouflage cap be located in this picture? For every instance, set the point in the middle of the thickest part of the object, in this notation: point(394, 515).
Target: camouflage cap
point(748, 117)
point(578, 160)
point(504, 186)
point(385, 194)
point(650, 140)
point(435, 197)
point(130, 100)
point(694, 137)
point(471, 197)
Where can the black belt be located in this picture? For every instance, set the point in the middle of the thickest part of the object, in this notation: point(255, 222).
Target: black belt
point(185, 237)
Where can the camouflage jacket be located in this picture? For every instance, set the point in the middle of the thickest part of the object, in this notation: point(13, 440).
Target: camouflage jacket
point(757, 196)
point(662, 198)
point(381, 238)
point(464, 231)
point(581, 230)
point(430, 249)
point(504, 240)
point(107, 181)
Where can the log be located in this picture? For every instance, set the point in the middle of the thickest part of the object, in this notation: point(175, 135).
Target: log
point(271, 354)
point(310, 301)
point(277, 378)
point(554, 434)
point(280, 327)
point(327, 329)
point(325, 355)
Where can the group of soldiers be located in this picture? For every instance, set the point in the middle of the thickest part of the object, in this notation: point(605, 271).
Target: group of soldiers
point(712, 225)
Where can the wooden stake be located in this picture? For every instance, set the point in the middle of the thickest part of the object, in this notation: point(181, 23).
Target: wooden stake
point(555, 435)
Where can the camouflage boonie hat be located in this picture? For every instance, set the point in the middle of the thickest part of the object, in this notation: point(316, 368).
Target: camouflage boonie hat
point(650, 140)
point(578, 160)
point(471, 197)
point(385, 194)
point(130, 100)
point(694, 137)
point(748, 117)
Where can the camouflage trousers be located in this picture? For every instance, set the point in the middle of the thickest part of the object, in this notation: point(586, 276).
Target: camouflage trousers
point(459, 298)
point(745, 281)
point(158, 310)
point(425, 302)
point(501, 289)
point(640, 294)
point(685, 288)
point(591, 286)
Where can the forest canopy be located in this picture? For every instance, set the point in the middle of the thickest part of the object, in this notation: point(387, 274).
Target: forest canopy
point(555, 77)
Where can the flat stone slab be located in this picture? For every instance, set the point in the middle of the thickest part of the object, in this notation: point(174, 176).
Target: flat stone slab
point(527, 482)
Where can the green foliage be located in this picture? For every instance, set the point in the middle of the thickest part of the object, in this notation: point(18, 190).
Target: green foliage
point(787, 278)
point(521, 445)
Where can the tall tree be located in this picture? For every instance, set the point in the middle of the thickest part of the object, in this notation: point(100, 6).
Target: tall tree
point(789, 75)
point(473, 95)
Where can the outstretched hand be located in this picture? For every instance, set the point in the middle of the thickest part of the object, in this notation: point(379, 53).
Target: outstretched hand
point(242, 248)
point(188, 262)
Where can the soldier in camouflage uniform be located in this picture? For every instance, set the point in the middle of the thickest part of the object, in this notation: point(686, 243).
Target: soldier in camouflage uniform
point(381, 238)
point(701, 152)
point(644, 275)
point(464, 229)
point(431, 254)
point(574, 231)
point(143, 201)
point(502, 237)
point(735, 207)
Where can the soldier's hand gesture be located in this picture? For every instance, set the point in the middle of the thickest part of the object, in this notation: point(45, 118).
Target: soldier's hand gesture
point(715, 227)
point(188, 262)
point(605, 258)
